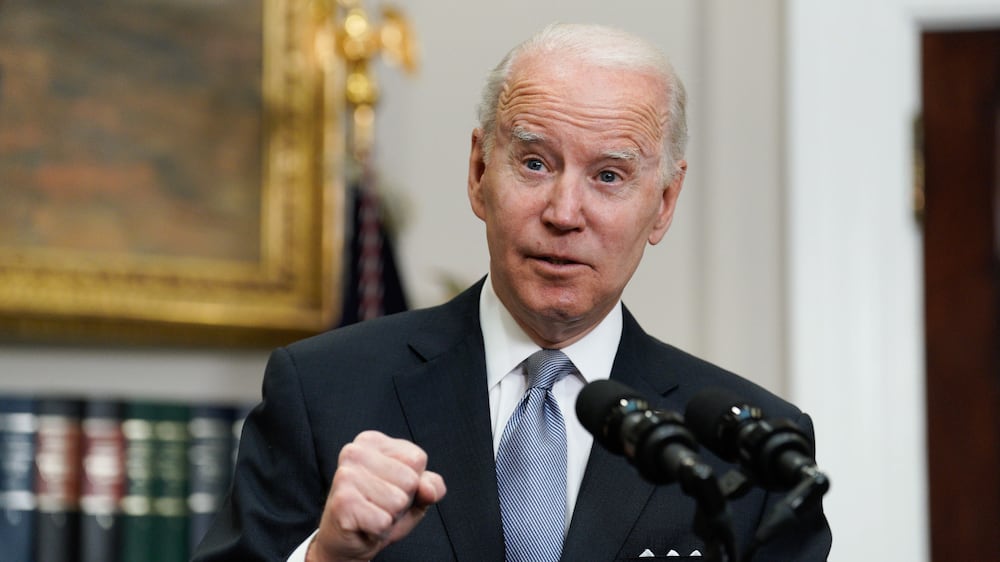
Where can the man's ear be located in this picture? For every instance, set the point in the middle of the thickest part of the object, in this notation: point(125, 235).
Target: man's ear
point(668, 202)
point(477, 168)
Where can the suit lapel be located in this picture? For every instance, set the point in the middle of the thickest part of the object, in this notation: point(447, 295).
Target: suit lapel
point(612, 494)
point(446, 404)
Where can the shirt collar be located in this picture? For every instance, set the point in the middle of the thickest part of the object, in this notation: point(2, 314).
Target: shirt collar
point(507, 346)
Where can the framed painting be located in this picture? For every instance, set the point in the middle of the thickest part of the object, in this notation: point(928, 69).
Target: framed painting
point(170, 171)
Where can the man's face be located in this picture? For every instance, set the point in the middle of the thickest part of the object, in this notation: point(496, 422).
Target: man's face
point(572, 192)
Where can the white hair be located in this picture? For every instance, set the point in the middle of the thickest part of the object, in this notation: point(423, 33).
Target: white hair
point(603, 47)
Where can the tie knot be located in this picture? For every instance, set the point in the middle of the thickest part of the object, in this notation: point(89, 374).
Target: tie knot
point(546, 366)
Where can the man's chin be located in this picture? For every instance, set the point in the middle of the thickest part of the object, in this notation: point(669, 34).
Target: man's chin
point(557, 321)
point(551, 311)
point(557, 305)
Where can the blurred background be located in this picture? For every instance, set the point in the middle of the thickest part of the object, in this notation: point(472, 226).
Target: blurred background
point(796, 257)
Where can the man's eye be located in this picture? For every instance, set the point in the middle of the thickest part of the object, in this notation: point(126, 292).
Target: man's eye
point(608, 177)
point(534, 164)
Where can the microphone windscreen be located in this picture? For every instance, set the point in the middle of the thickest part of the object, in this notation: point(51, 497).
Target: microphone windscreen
point(705, 416)
point(599, 405)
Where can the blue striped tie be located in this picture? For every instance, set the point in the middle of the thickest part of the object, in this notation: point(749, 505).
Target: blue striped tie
point(531, 466)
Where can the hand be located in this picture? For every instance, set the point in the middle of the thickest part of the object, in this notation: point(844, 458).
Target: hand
point(381, 490)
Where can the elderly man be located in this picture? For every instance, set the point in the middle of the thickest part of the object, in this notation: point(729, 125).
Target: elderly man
point(447, 433)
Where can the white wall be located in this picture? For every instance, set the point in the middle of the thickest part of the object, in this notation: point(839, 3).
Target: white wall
point(853, 252)
point(185, 375)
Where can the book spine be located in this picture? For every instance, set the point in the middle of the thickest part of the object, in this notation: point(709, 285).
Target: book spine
point(170, 482)
point(137, 539)
point(57, 480)
point(154, 509)
point(209, 465)
point(18, 428)
point(110, 481)
point(103, 482)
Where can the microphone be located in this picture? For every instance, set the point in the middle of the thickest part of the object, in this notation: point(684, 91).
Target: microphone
point(656, 442)
point(776, 453)
point(659, 445)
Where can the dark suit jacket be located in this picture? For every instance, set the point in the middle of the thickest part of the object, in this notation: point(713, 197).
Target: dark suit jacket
point(421, 376)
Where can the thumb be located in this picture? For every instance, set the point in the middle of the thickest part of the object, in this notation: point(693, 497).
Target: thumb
point(430, 490)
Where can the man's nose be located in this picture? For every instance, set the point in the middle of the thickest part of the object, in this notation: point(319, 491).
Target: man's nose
point(564, 207)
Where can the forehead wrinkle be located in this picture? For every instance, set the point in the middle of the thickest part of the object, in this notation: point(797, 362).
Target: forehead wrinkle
point(523, 104)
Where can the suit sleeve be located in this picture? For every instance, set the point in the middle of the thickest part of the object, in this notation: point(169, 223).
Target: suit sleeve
point(277, 494)
point(806, 540)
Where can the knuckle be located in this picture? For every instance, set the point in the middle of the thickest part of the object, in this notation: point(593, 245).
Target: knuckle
point(369, 436)
point(351, 453)
point(342, 499)
point(397, 501)
point(345, 474)
point(418, 459)
point(408, 480)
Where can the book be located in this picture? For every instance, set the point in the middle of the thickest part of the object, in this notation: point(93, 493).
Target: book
point(209, 465)
point(18, 428)
point(57, 480)
point(103, 480)
point(170, 481)
point(154, 508)
point(106, 480)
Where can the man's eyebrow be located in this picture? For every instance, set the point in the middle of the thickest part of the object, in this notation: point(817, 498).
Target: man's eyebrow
point(521, 134)
point(624, 154)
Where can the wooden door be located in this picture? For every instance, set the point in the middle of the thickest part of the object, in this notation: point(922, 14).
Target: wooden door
point(961, 107)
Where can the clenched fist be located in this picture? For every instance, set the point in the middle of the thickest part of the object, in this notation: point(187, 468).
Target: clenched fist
point(381, 490)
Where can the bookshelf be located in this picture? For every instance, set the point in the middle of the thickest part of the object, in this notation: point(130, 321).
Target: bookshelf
point(159, 472)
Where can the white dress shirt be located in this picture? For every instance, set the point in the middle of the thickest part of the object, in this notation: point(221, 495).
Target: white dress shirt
point(507, 346)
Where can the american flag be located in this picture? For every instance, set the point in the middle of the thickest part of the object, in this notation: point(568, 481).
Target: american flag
point(373, 287)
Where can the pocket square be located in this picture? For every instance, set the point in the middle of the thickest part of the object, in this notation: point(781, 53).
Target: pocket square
point(670, 554)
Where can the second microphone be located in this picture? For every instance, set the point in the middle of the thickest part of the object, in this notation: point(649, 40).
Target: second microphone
point(656, 442)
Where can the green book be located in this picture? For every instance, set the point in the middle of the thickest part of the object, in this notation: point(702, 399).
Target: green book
point(155, 517)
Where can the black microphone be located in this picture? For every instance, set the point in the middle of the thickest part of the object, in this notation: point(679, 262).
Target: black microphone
point(656, 442)
point(776, 453)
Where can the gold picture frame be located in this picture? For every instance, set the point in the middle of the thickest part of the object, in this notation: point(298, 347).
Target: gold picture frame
point(158, 275)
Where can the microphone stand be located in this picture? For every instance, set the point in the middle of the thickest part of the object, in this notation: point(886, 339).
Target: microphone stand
point(659, 445)
point(663, 450)
point(799, 500)
point(712, 519)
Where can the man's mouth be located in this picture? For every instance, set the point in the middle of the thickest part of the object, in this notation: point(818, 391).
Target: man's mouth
point(558, 260)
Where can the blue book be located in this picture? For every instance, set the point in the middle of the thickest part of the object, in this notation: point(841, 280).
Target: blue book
point(209, 465)
point(18, 428)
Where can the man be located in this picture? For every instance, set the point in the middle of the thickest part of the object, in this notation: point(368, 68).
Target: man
point(385, 440)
